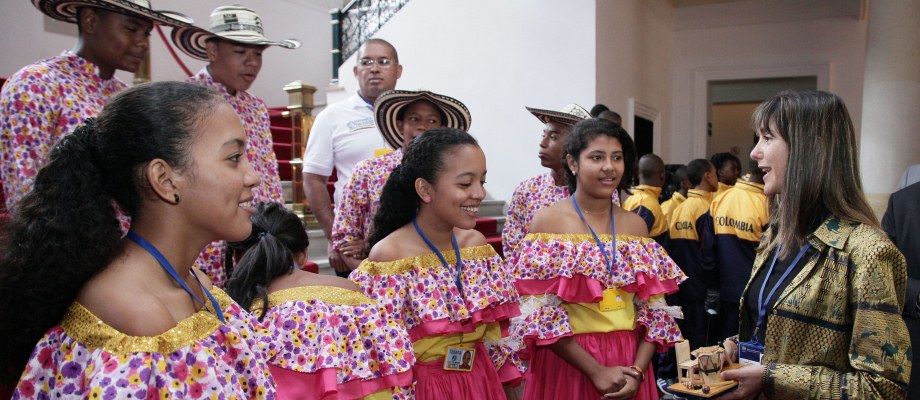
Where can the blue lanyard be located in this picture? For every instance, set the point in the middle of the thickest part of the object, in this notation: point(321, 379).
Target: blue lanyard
point(597, 240)
point(172, 272)
point(441, 256)
point(761, 302)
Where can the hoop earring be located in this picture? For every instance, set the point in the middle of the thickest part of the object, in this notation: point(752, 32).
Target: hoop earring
point(176, 197)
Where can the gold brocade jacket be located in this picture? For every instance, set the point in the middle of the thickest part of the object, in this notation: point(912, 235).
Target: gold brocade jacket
point(836, 331)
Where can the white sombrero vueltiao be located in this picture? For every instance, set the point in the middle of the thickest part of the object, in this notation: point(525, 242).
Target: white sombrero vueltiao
point(391, 102)
point(66, 10)
point(234, 23)
point(571, 114)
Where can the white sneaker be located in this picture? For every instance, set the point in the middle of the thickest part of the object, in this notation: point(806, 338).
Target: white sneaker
point(663, 388)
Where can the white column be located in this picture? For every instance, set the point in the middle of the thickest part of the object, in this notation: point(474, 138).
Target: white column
point(890, 140)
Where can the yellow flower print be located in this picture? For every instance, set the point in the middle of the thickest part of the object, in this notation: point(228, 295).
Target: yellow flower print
point(95, 393)
point(233, 338)
point(198, 370)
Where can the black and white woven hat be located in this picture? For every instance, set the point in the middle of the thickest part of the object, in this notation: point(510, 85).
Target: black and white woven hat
point(235, 23)
point(391, 102)
point(571, 114)
point(66, 10)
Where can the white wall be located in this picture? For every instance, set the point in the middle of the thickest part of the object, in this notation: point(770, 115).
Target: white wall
point(835, 42)
point(29, 36)
point(497, 57)
point(634, 58)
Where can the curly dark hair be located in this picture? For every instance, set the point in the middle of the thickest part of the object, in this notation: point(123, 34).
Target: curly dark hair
point(66, 230)
point(584, 133)
point(268, 253)
point(423, 159)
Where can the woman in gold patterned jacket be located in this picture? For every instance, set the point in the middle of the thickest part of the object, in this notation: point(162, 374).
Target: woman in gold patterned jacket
point(820, 317)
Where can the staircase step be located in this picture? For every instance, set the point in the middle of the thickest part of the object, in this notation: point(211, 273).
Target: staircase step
point(283, 151)
point(496, 243)
point(275, 117)
point(488, 226)
point(310, 266)
point(281, 134)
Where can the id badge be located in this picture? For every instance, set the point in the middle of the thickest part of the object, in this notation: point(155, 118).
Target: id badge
point(612, 300)
point(459, 359)
point(750, 353)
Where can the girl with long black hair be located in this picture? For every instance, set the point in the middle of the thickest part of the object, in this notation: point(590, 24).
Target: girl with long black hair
point(427, 266)
point(127, 316)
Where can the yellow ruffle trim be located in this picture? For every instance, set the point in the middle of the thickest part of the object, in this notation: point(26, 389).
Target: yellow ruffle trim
point(87, 329)
point(429, 260)
point(327, 294)
point(585, 237)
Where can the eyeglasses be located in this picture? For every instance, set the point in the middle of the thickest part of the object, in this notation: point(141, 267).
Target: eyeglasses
point(381, 62)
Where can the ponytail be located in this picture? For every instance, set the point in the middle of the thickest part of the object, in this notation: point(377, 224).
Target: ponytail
point(401, 203)
point(66, 230)
point(267, 254)
point(62, 233)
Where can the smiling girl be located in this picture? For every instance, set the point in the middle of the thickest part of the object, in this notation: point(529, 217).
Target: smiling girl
point(429, 268)
point(593, 282)
point(129, 316)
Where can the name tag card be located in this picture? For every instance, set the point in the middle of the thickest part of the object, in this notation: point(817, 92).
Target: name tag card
point(459, 359)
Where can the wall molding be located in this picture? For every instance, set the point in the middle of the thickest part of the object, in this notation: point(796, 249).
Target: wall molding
point(702, 77)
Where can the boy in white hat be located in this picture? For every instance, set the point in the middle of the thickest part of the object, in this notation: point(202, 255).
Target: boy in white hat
point(44, 101)
point(233, 47)
point(545, 189)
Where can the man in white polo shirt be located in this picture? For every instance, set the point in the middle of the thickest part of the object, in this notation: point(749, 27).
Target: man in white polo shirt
point(345, 134)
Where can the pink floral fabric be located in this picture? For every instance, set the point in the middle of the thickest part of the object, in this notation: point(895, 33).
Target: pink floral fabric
point(316, 328)
point(199, 358)
point(571, 269)
point(261, 153)
point(354, 214)
point(530, 196)
point(421, 293)
point(40, 104)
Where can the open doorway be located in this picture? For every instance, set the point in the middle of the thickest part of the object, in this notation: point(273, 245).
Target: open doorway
point(731, 104)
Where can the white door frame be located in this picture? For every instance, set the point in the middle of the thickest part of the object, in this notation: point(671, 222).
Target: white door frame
point(637, 108)
point(702, 77)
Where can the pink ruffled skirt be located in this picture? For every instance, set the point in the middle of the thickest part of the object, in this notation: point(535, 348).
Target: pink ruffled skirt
point(323, 384)
point(550, 377)
point(482, 383)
